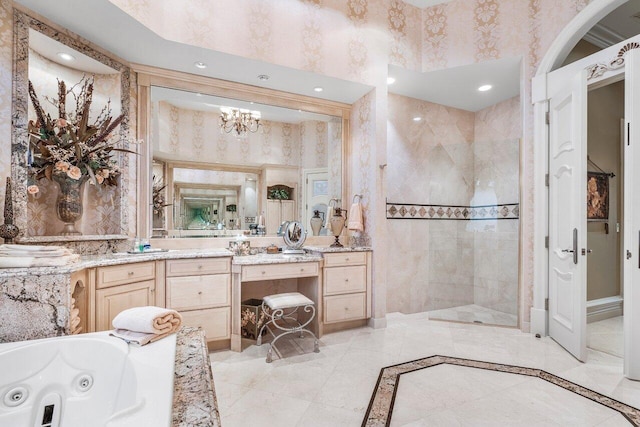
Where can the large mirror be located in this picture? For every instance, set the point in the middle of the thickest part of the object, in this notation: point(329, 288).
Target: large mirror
point(222, 166)
point(44, 55)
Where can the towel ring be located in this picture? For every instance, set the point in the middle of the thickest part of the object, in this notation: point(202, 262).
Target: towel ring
point(357, 195)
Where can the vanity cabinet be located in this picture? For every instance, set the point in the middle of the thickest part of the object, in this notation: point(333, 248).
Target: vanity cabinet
point(200, 289)
point(279, 211)
point(126, 286)
point(346, 287)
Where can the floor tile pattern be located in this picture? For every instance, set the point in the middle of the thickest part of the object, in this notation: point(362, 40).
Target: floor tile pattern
point(382, 401)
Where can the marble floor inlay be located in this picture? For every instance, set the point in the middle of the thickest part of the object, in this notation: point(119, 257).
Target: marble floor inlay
point(384, 395)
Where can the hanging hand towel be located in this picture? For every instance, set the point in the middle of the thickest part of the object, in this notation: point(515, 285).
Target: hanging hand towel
point(356, 222)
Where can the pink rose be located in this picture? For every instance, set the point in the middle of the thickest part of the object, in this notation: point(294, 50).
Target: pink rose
point(61, 123)
point(104, 173)
point(62, 166)
point(74, 172)
point(33, 189)
point(99, 178)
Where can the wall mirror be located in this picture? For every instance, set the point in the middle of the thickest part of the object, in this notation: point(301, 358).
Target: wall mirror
point(44, 54)
point(215, 181)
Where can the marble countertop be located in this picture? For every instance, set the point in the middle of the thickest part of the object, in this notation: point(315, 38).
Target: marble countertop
point(275, 259)
point(104, 260)
point(194, 395)
point(328, 249)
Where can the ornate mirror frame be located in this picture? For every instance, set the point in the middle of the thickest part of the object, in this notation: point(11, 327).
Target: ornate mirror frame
point(150, 76)
point(23, 21)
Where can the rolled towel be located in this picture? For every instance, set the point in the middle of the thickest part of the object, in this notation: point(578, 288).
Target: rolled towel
point(356, 222)
point(143, 325)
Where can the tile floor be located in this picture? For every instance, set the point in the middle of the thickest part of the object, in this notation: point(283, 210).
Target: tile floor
point(606, 336)
point(473, 313)
point(333, 387)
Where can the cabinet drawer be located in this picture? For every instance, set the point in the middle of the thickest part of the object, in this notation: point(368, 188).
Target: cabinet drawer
point(342, 280)
point(197, 266)
point(279, 271)
point(216, 322)
point(345, 307)
point(346, 258)
point(192, 292)
point(126, 273)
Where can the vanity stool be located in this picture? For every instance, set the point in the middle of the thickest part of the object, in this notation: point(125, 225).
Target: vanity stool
point(280, 309)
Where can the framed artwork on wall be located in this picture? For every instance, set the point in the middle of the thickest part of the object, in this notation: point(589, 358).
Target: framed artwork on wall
point(597, 196)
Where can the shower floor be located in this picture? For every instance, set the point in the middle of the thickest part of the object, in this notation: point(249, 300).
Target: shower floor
point(473, 313)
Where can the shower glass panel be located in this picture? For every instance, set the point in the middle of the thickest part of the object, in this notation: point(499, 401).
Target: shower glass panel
point(473, 263)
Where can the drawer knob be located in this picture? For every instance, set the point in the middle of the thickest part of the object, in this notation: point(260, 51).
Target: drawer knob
point(302, 269)
point(346, 280)
point(131, 273)
point(264, 272)
point(346, 309)
point(200, 267)
point(346, 259)
point(200, 293)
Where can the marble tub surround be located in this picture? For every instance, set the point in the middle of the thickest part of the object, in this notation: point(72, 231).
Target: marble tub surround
point(194, 395)
point(379, 412)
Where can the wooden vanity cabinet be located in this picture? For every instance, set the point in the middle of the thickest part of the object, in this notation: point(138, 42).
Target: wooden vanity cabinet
point(120, 287)
point(200, 289)
point(346, 287)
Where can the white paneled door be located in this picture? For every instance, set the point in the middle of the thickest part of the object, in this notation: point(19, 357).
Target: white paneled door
point(631, 226)
point(568, 216)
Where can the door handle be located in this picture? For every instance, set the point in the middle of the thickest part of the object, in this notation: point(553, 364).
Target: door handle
point(574, 251)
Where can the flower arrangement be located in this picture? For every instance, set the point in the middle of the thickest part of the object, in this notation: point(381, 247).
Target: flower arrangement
point(158, 200)
point(69, 147)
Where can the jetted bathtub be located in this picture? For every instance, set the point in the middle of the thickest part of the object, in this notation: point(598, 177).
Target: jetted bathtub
point(86, 380)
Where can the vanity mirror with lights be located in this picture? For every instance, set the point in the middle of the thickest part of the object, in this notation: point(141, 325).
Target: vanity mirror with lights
point(227, 159)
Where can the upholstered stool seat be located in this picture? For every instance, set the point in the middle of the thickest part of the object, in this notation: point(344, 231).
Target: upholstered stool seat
point(280, 309)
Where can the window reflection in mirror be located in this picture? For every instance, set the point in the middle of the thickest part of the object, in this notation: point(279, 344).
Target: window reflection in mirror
point(219, 182)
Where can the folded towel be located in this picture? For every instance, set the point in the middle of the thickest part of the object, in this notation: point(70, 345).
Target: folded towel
point(33, 251)
point(143, 325)
point(356, 222)
point(31, 261)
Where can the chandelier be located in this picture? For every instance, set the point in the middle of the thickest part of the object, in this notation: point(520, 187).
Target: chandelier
point(239, 121)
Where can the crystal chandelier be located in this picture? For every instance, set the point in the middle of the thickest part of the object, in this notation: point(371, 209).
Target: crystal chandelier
point(239, 121)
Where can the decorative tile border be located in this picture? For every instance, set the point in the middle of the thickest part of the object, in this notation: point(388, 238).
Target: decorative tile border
point(384, 395)
point(464, 213)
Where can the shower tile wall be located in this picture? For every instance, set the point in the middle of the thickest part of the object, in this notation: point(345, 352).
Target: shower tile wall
point(451, 157)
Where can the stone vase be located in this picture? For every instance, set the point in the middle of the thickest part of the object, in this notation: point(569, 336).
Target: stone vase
point(316, 222)
point(69, 202)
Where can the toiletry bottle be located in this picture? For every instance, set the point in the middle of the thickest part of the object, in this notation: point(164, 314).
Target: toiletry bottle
point(136, 244)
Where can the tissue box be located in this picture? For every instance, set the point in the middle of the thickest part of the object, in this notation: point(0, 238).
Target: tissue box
point(252, 318)
point(240, 247)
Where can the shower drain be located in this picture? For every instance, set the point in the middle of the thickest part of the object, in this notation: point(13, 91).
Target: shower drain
point(16, 396)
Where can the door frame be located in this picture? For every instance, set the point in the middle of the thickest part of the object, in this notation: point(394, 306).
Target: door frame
point(555, 55)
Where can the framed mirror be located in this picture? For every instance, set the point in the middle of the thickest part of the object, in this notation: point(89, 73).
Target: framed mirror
point(45, 55)
point(223, 176)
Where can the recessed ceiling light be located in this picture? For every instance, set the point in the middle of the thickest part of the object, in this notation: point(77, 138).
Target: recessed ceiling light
point(417, 119)
point(66, 56)
point(263, 77)
point(200, 65)
point(485, 88)
point(318, 89)
point(391, 80)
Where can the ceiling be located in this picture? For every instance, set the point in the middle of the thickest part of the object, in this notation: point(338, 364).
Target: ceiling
point(104, 24)
point(619, 25)
point(425, 3)
point(201, 102)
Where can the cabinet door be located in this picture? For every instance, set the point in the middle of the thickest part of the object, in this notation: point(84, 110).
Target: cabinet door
point(113, 300)
point(273, 216)
point(288, 211)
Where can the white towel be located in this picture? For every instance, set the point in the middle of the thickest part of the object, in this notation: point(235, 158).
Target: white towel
point(30, 261)
point(33, 251)
point(356, 222)
point(142, 325)
point(327, 224)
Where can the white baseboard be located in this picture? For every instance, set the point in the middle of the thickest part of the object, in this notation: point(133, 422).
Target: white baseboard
point(538, 323)
point(604, 308)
